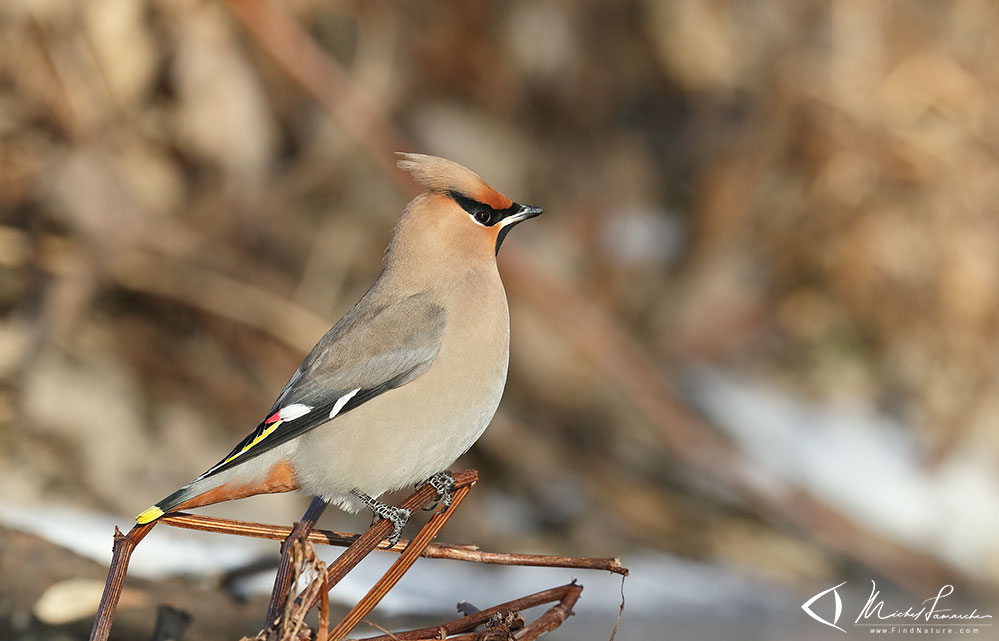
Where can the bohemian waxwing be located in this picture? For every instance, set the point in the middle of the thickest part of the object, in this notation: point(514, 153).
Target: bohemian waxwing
point(407, 380)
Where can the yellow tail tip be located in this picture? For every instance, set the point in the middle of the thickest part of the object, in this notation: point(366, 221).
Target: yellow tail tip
point(149, 515)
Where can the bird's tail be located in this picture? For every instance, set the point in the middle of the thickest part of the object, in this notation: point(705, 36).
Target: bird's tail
point(226, 485)
point(172, 502)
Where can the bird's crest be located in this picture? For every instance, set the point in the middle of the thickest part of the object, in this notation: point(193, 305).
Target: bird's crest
point(442, 175)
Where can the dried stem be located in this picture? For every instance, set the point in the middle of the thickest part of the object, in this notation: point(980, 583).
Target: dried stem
point(554, 617)
point(303, 559)
point(283, 578)
point(124, 544)
point(452, 551)
point(567, 595)
point(324, 609)
point(297, 548)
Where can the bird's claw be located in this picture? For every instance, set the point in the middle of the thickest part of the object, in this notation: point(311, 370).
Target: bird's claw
point(397, 516)
point(443, 482)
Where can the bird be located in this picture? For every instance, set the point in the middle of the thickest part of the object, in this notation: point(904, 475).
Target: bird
point(406, 381)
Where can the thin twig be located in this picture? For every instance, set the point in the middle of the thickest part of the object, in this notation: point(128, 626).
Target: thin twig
point(124, 544)
point(469, 622)
point(620, 612)
point(282, 579)
point(324, 609)
point(554, 617)
point(386, 633)
point(304, 559)
point(452, 551)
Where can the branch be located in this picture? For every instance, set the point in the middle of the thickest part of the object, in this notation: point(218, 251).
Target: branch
point(300, 554)
point(566, 595)
point(452, 551)
point(124, 544)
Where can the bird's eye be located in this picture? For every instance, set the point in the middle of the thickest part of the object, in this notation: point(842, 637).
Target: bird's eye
point(483, 216)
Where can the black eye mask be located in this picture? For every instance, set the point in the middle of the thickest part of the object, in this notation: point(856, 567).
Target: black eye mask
point(487, 216)
point(482, 213)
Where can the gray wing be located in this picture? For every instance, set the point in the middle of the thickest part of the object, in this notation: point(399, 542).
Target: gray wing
point(373, 349)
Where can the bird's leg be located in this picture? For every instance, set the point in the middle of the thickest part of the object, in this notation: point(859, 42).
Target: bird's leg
point(443, 482)
point(397, 515)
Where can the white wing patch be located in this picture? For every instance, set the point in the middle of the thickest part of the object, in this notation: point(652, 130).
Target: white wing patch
point(340, 402)
point(294, 411)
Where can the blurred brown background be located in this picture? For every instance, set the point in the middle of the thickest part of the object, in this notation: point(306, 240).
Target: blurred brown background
point(790, 200)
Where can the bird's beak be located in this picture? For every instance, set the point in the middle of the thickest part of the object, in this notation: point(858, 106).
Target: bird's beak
point(525, 212)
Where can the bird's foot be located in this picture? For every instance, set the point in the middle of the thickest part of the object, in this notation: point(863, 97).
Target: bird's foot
point(398, 516)
point(443, 482)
